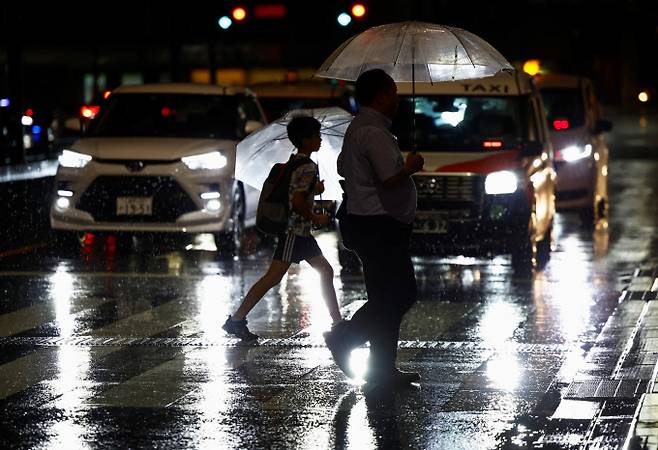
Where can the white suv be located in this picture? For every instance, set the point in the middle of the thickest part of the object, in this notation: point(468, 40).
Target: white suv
point(160, 158)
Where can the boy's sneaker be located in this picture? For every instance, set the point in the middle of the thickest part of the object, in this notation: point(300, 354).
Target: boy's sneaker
point(238, 328)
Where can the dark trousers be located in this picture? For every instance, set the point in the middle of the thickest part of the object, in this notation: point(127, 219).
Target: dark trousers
point(382, 245)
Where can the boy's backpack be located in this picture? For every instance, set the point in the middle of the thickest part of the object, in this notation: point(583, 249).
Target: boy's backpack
point(273, 209)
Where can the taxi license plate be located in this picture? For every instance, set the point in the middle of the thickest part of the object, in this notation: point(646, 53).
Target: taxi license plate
point(431, 223)
point(134, 206)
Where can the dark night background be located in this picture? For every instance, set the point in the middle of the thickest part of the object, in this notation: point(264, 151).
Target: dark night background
point(46, 50)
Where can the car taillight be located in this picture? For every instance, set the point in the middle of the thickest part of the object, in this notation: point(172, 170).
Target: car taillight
point(89, 112)
point(561, 124)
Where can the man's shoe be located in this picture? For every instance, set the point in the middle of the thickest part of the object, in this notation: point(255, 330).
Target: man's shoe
point(238, 328)
point(395, 379)
point(339, 348)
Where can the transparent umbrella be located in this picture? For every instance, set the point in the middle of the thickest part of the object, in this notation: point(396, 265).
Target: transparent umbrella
point(259, 151)
point(415, 51)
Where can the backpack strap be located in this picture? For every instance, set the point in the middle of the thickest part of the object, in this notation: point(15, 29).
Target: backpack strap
point(284, 167)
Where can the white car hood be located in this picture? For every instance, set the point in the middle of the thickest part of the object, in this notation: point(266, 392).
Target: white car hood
point(150, 148)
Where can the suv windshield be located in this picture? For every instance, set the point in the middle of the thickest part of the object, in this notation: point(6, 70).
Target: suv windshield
point(448, 123)
point(564, 103)
point(167, 115)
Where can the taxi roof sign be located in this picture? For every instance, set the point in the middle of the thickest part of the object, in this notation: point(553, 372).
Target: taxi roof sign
point(503, 84)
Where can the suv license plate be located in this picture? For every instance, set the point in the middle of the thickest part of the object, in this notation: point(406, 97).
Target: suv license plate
point(134, 206)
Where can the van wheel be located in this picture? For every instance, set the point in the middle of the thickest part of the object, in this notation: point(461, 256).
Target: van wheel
point(229, 242)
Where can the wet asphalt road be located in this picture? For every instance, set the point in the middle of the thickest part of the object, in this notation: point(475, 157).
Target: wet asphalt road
point(118, 344)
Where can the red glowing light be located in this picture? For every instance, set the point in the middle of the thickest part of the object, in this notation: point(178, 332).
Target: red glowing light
point(273, 11)
point(89, 112)
point(561, 124)
point(492, 144)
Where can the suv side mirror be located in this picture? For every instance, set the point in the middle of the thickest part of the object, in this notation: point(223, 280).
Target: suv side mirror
point(602, 126)
point(532, 148)
point(252, 125)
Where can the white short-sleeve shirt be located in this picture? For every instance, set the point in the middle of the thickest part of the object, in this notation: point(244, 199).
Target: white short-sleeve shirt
point(370, 155)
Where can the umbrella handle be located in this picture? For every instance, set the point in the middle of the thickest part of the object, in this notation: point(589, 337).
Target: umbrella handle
point(413, 99)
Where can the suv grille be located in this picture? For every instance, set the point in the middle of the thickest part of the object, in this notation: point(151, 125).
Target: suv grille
point(169, 199)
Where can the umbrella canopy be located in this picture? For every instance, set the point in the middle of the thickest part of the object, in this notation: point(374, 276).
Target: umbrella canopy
point(259, 151)
point(415, 51)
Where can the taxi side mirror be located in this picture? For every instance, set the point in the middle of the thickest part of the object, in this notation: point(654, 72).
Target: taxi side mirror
point(532, 148)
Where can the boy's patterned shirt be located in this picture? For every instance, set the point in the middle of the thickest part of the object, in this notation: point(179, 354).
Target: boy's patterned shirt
point(303, 180)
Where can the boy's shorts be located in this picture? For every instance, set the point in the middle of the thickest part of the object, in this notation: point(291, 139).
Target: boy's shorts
point(292, 248)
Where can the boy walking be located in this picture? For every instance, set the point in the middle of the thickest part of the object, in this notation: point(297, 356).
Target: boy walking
point(297, 244)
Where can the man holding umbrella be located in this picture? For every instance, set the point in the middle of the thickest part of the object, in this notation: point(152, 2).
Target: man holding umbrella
point(380, 207)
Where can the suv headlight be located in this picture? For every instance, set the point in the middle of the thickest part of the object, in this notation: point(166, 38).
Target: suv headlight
point(205, 161)
point(502, 182)
point(576, 152)
point(73, 159)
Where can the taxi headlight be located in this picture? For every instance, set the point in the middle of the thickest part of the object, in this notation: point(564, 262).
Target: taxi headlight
point(576, 152)
point(72, 159)
point(205, 161)
point(502, 182)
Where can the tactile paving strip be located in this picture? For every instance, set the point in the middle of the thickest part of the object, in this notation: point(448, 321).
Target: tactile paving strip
point(88, 341)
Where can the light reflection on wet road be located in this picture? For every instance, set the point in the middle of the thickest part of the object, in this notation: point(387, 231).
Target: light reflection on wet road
point(488, 344)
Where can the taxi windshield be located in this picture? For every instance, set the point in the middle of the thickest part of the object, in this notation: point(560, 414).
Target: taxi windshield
point(449, 123)
point(167, 115)
point(564, 103)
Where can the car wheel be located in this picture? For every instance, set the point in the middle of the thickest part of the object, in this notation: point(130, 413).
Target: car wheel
point(229, 242)
point(524, 250)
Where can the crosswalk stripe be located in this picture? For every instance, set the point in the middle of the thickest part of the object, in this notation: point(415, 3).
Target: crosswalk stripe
point(141, 391)
point(27, 371)
point(24, 372)
point(38, 274)
point(38, 366)
point(31, 317)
